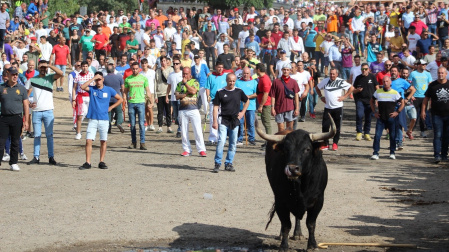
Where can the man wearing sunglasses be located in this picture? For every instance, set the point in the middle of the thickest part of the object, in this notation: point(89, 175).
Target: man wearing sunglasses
point(364, 87)
point(42, 86)
point(14, 100)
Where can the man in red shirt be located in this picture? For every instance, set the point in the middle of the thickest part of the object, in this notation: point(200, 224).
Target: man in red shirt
point(60, 56)
point(268, 45)
point(100, 41)
point(263, 98)
point(380, 75)
point(419, 25)
point(283, 108)
point(277, 35)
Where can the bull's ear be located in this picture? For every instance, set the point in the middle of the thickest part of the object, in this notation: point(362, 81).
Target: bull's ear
point(278, 146)
point(317, 147)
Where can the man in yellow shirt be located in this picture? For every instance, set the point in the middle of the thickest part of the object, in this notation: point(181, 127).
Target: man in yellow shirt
point(185, 41)
point(394, 18)
point(396, 42)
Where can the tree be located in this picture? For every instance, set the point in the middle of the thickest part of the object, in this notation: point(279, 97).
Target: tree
point(227, 4)
point(97, 5)
point(68, 7)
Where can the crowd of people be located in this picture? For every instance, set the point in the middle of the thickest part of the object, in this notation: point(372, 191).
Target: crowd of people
point(229, 66)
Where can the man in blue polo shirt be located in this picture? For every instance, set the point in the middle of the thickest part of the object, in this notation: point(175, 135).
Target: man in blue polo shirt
point(249, 87)
point(215, 82)
point(100, 95)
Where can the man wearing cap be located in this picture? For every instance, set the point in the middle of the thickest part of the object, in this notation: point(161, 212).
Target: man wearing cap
point(42, 88)
point(283, 60)
point(99, 106)
point(285, 108)
point(215, 82)
point(420, 80)
point(333, 88)
point(14, 101)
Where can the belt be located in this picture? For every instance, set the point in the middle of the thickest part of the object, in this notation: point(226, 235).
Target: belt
point(11, 115)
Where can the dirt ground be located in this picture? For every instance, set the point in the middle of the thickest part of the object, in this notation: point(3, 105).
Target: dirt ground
point(154, 199)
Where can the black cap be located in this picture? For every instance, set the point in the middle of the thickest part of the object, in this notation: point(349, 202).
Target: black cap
point(443, 58)
point(12, 70)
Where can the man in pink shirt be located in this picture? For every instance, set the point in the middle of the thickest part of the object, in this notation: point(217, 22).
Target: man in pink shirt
point(151, 20)
point(419, 25)
point(60, 56)
point(216, 18)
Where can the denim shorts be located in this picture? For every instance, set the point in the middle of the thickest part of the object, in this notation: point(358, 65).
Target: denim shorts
point(101, 125)
point(284, 117)
point(326, 61)
point(62, 68)
point(411, 112)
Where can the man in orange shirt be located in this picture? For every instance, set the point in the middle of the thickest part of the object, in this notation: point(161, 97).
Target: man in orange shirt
point(332, 23)
point(161, 18)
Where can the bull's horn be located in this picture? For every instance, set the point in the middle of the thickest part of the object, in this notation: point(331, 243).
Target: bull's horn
point(272, 138)
point(325, 135)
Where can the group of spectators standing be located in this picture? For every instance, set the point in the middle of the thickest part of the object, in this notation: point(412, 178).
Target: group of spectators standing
point(228, 66)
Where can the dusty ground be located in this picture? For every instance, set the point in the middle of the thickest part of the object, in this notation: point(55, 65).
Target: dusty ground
point(155, 198)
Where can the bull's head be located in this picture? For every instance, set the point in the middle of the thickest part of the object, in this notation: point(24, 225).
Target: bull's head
point(298, 147)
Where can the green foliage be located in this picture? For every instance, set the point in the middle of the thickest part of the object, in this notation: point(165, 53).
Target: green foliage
point(97, 5)
point(68, 7)
point(226, 4)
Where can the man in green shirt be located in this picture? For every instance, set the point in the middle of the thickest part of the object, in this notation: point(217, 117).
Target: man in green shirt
point(137, 92)
point(86, 43)
point(125, 25)
point(132, 45)
point(187, 93)
point(45, 15)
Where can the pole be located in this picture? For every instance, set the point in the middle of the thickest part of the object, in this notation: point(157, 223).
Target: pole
point(246, 132)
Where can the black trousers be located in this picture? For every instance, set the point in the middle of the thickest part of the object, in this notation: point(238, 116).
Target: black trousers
point(11, 125)
point(162, 107)
point(210, 51)
point(337, 115)
point(99, 52)
point(418, 103)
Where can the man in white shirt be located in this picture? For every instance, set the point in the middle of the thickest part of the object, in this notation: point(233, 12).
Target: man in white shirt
point(324, 47)
point(296, 46)
point(433, 66)
point(408, 60)
point(45, 48)
point(177, 38)
point(355, 70)
point(304, 80)
point(159, 38)
point(41, 31)
point(224, 39)
point(111, 23)
point(282, 62)
point(287, 21)
point(333, 99)
point(150, 74)
point(168, 33)
point(358, 28)
point(241, 39)
point(413, 38)
point(173, 79)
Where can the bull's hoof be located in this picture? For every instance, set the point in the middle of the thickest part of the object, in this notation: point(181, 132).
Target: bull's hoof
point(297, 237)
point(312, 249)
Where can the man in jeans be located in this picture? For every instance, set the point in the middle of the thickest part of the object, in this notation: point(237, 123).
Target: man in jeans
point(387, 99)
point(42, 86)
point(436, 94)
point(209, 41)
point(138, 92)
point(263, 97)
point(173, 79)
point(249, 87)
point(115, 81)
point(228, 100)
point(364, 87)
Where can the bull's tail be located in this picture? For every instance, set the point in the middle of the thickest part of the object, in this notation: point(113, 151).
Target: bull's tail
point(271, 214)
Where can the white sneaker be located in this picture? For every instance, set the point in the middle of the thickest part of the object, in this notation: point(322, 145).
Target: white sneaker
point(23, 156)
point(6, 157)
point(239, 143)
point(374, 157)
point(146, 128)
point(392, 156)
point(152, 127)
point(423, 134)
point(15, 167)
point(78, 136)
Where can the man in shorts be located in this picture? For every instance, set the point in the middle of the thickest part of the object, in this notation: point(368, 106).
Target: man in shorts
point(100, 95)
point(80, 98)
point(285, 108)
point(61, 58)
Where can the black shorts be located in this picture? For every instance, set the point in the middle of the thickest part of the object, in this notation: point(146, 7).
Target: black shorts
point(115, 53)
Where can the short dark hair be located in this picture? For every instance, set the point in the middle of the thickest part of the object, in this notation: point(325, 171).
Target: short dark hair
point(84, 63)
point(397, 68)
point(261, 67)
point(365, 64)
point(219, 63)
point(357, 56)
point(144, 61)
point(135, 64)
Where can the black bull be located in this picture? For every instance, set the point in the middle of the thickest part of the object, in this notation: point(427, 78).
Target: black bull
point(298, 177)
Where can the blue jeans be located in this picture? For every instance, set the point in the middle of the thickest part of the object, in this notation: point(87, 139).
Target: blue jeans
point(319, 57)
point(356, 38)
point(250, 116)
point(139, 110)
point(362, 110)
point(312, 99)
point(433, 29)
point(175, 106)
point(346, 73)
point(48, 119)
point(349, 34)
point(441, 135)
point(224, 131)
point(380, 126)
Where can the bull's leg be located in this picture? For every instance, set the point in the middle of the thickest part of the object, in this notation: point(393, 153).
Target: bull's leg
point(284, 216)
point(312, 215)
point(297, 234)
